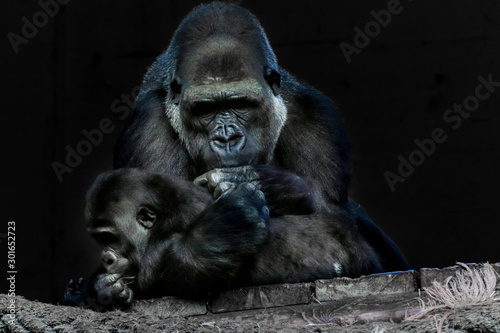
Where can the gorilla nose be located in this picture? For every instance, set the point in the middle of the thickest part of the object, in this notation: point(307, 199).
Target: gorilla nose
point(230, 143)
point(113, 262)
point(109, 260)
point(228, 139)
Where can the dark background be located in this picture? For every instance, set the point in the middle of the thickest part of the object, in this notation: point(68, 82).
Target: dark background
point(67, 77)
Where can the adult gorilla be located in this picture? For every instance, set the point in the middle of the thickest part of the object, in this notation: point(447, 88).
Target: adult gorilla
point(217, 102)
point(215, 109)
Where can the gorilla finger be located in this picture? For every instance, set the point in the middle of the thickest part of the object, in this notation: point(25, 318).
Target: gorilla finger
point(126, 294)
point(111, 289)
point(214, 179)
point(222, 188)
point(265, 213)
point(117, 288)
point(209, 179)
point(241, 174)
point(259, 197)
point(127, 279)
point(105, 280)
point(201, 180)
point(249, 187)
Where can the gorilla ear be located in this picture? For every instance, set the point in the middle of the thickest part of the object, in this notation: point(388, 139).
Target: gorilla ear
point(146, 217)
point(273, 78)
point(176, 88)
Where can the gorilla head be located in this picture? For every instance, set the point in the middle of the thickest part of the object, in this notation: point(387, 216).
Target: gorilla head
point(126, 209)
point(120, 221)
point(223, 99)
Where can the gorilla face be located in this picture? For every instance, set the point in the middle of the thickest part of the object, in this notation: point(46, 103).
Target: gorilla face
point(121, 221)
point(225, 104)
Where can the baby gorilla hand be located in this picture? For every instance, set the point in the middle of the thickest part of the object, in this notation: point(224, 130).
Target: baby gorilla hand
point(245, 206)
point(112, 291)
point(251, 200)
point(76, 293)
point(236, 224)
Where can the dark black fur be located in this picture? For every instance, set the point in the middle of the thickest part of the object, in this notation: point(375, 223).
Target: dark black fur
point(216, 113)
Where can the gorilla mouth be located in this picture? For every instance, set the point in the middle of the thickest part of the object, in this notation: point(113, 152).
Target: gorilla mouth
point(229, 153)
point(231, 145)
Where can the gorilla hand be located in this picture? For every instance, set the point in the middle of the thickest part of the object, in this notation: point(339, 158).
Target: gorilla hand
point(112, 291)
point(244, 207)
point(219, 180)
point(76, 292)
point(286, 192)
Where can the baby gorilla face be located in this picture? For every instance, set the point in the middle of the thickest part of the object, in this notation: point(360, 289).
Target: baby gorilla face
point(121, 211)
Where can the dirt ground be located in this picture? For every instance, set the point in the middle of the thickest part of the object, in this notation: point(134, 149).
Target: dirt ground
point(34, 316)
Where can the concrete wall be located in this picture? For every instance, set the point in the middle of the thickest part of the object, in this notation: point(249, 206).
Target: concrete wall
point(91, 54)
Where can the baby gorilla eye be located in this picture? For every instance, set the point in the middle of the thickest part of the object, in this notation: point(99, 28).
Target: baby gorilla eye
point(146, 217)
point(105, 237)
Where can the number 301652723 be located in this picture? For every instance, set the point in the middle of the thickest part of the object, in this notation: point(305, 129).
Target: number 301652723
point(11, 245)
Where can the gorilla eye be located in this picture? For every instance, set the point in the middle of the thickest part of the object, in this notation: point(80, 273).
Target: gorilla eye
point(204, 108)
point(146, 217)
point(241, 103)
point(105, 237)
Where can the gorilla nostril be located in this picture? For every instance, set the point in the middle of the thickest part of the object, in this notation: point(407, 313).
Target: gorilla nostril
point(228, 143)
point(220, 139)
point(108, 258)
point(235, 136)
point(227, 138)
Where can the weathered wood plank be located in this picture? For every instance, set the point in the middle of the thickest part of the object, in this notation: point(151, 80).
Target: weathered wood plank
point(263, 297)
point(376, 284)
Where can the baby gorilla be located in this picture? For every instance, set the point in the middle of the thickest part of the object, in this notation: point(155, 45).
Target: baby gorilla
point(165, 236)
